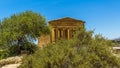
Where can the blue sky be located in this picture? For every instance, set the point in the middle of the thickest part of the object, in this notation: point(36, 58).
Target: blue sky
point(101, 15)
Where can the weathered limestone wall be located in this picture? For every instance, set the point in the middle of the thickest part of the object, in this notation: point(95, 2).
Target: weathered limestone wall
point(45, 39)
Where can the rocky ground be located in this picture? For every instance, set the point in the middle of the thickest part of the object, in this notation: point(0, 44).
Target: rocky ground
point(11, 66)
point(11, 62)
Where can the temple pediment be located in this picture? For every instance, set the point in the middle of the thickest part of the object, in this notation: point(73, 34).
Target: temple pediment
point(67, 21)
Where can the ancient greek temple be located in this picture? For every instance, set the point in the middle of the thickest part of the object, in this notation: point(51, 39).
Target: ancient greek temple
point(63, 28)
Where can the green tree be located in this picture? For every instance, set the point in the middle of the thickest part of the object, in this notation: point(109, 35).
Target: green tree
point(22, 29)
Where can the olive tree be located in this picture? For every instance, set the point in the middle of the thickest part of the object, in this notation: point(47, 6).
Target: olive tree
point(22, 29)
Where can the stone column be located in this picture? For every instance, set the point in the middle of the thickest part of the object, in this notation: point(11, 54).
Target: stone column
point(56, 34)
point(53, 35)
point(62, 33)
point(68, 32)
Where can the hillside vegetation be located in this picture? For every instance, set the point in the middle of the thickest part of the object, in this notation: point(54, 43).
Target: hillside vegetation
point(82, 51)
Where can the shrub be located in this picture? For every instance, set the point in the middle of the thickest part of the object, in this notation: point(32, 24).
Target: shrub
point(3, 54)
point(28, 48)
point(83, 51)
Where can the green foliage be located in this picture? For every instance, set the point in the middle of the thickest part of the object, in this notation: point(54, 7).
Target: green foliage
point(82, 51)
point(3, 54)
point(28, 48)
point(21, 30)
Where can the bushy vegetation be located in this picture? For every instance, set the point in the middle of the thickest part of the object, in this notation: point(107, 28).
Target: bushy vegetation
point(28, 48)
point(3, 54)
point(82, 51)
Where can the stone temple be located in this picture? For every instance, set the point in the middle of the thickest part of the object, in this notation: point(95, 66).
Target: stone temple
point(63, 28)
